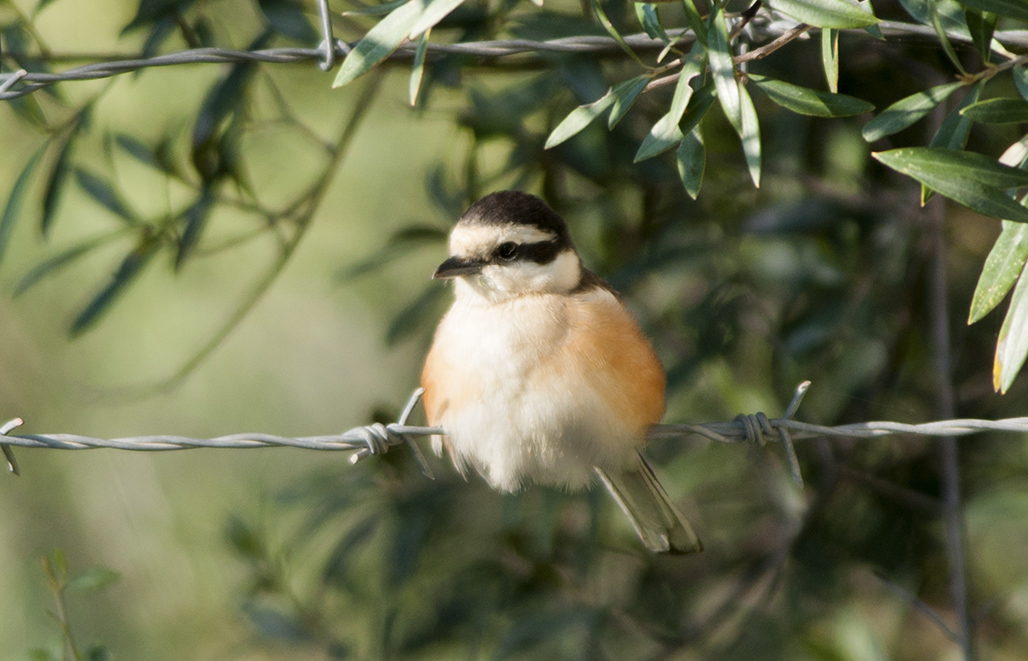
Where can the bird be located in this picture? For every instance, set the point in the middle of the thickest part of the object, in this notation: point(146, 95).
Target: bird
point(539, 375)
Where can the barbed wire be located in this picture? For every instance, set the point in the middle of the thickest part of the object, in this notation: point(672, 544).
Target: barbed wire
point(27, 82)
point(376, 439)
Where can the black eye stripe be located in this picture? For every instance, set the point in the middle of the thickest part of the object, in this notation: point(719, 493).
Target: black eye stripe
point(541, 252)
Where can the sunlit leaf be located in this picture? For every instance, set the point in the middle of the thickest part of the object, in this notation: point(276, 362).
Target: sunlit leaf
point(906, 111)
point(806, 101)
point(1003, 110)
point(16, 198)
point(434, 11)
point(665, 133)
point(723, 68)
point(1002, 267)
point(830, 58)
point(127, 272)
point(1010, 8)
point(1012, 345)
point(579, 118)
point(691, 158)
point(825, 13)
point(417, 72)
point(379, 43)
point(750, 134)
point(624, 98)
point(974, 180)
point(621, 97)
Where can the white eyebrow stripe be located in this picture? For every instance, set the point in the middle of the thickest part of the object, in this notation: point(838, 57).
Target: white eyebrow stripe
point(469, 240)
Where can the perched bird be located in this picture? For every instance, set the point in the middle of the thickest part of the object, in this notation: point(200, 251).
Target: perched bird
point(539, 374)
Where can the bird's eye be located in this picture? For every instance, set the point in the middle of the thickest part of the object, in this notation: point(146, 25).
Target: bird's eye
point(507, 250)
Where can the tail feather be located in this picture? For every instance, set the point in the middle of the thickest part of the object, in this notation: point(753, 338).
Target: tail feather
point(659, 524)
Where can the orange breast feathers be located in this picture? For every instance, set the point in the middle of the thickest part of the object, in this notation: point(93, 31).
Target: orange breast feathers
point(600, 348)
point(607, 348)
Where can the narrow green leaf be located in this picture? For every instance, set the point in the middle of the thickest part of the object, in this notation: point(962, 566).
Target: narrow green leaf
point(1020, 74)
point(195, 222)
point(1002, 267)
point(16, 198)
point(400, 244)
point(692, 159)
point(700, 103)
point(376, 10)
point(906, 111)
point(970, 179)
point(434, 11)
point(138, 150)
point(646, 12)
point(578, 119)
point(625, 94)
point(665, 134)
point(99, 653)
point(93, 580)
point(379, 43)
point(287, 18)
point(830, 58)
point(956, 128)
point(806, 101)
point(949, 13)
point(825, 13)
point(620, 98)
point(1009, 8)
point(417, 72)
point(612, 31)
point(413, 317)
point(1002, 110)
point(104, 193)
point(723, 68)
point(981, 25)
point(695, 21)
point(944, 41)
point(62, 259)
point(127, 272)
point(55, 185)
point(1012, 345)
point(957, 164)
point(750, 134)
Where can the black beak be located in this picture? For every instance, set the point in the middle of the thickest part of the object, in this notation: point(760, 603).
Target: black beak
point(455, 267)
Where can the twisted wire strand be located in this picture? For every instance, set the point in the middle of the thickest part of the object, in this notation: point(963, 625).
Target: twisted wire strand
point(33, 81)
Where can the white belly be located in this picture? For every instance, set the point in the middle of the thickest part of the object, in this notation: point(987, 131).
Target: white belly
point(520, 428)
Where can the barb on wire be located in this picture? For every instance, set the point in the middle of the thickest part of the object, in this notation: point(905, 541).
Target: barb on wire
point(330, 49)
point(378, 438)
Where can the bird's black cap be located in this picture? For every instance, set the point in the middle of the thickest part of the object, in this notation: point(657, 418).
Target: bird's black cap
point(512, 207)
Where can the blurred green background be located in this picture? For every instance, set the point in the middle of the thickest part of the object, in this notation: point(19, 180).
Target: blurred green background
point(823, 274)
